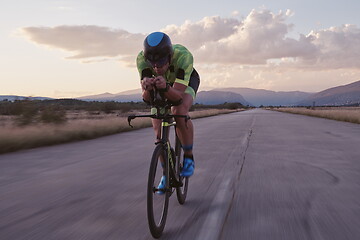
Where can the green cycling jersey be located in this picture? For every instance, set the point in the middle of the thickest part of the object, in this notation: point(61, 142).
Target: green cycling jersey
point(179, 71)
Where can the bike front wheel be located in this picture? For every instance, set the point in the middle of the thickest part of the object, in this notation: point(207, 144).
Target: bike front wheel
point(181, 192)
point(157, 200)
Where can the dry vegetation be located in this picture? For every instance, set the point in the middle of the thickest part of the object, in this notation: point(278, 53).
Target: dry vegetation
point(80, 125)
point(347, 114)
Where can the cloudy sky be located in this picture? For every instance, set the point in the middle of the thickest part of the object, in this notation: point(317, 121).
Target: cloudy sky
point(81, 47)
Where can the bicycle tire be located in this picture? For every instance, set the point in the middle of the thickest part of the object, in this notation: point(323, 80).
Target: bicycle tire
point(181, 192)
point(156, 225)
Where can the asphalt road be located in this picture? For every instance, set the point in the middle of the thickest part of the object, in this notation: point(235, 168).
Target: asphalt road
point(259, 175)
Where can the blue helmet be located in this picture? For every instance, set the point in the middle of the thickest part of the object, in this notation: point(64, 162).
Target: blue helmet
point(158, 48)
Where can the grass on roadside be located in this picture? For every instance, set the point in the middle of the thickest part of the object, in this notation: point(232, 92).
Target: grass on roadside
point(17, 138)
point(346, 114)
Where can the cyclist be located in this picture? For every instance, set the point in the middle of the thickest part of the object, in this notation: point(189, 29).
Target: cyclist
point(169, 69)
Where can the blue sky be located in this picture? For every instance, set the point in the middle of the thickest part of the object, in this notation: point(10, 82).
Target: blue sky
point(308, 46)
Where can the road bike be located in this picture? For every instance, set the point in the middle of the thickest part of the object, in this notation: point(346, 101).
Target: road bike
point(165, 161)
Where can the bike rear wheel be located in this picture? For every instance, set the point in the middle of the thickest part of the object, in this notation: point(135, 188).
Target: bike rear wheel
point(157, 201)
point(181, 192)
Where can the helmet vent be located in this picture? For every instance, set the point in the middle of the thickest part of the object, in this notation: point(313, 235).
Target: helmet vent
point(155, 38)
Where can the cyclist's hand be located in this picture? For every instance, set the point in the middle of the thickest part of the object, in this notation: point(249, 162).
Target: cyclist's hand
point(147, 83)
point(160, 82)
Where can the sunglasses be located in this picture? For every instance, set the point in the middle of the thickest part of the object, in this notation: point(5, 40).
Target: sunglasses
point(159, 63)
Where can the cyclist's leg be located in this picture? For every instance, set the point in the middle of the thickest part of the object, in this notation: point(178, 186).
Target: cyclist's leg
point(156, 123)
point(184, 129)
point(185, 132)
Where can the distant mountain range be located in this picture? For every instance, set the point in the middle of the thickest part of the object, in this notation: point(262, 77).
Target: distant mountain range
point(114, 97)
point(338, 96)
point(133, 95)
point(15, 97)
point(203, 97)
point(259, 97)
point(219, 97)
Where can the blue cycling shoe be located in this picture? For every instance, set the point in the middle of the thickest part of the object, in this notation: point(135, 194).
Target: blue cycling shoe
point(162, 186)
point(188, 167)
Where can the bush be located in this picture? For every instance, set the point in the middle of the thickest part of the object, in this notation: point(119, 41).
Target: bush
point(26, 111)
point(53, 114)
point(108, 107)
point(233, 106)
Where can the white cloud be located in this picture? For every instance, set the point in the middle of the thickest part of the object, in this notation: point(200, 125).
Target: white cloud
point(87, 41)
point(338, 47)
point(260, 39)
point(235, 13)
point(289, 13)
point(209, 29)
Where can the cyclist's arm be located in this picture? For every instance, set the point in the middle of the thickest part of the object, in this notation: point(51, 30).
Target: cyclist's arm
point(146, 95)
point(175, 92)
point(185, 63)
point(145, 75)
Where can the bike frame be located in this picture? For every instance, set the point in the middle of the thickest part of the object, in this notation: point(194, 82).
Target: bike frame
point(171, 162)
point(165, 141)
